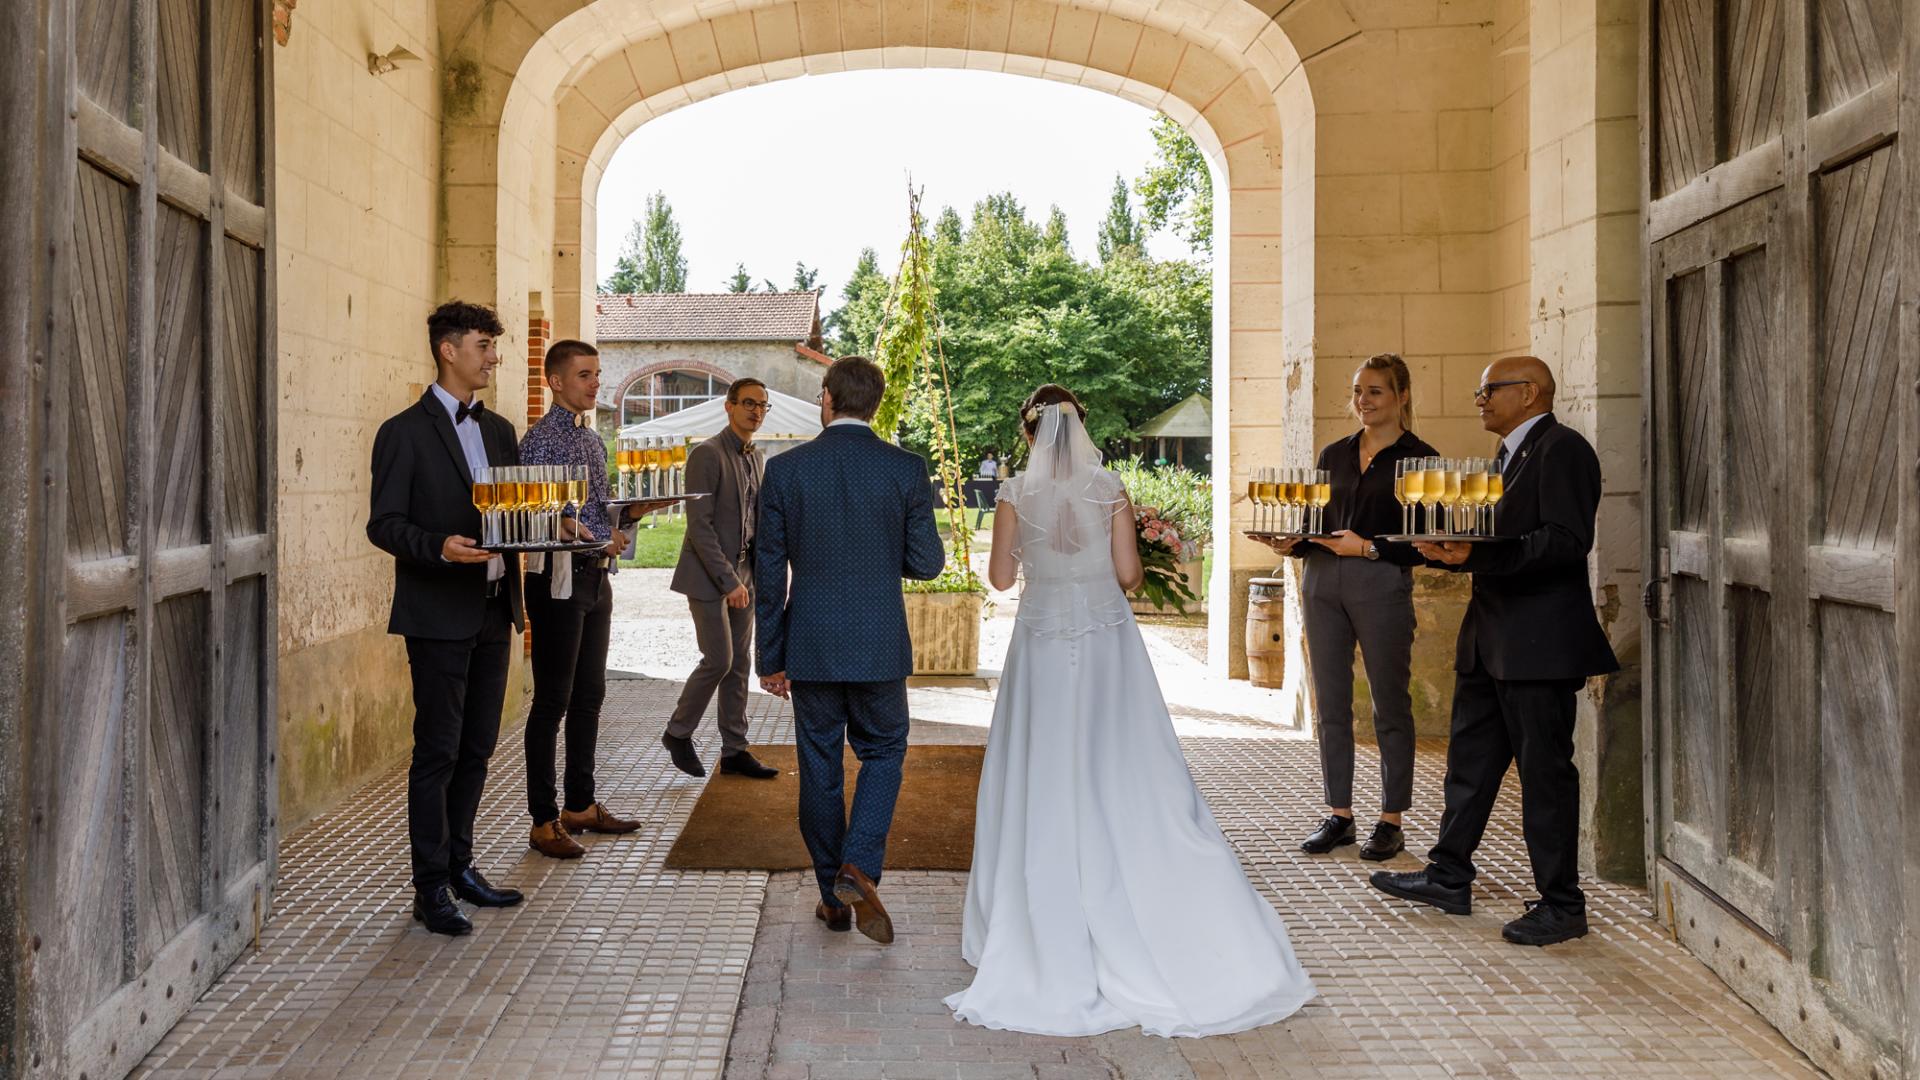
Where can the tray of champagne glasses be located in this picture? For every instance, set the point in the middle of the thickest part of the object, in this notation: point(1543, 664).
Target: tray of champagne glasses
point(549, 547)
point(1265, 535)
point(650, 503)
point(1442, 538)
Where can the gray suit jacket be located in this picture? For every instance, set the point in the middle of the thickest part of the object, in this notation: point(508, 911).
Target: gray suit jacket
point(710, 554)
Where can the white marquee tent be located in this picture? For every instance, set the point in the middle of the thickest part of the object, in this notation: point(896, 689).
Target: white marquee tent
point(790, 421)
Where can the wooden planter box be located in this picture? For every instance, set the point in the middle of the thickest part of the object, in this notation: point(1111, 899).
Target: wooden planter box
point(945, 629)
point(1194, 573)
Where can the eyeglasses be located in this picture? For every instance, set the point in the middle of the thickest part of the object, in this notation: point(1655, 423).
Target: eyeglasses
point(755, 406)
point(1486, 390)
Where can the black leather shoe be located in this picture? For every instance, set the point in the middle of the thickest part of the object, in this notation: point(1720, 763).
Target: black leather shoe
point(742, 763)
point(474, 889)
point(1416, 887)
point(437, 910)
point(1386, 842)
point(1544, 924)
point(1334, 832)
point(684, 758)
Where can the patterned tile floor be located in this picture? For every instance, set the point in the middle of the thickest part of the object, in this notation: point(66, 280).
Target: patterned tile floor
point(617, 967)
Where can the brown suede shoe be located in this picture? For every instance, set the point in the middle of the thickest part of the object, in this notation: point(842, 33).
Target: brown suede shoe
point(551, 840)
point(838, 919)
point(856, 890)
point(595, 818)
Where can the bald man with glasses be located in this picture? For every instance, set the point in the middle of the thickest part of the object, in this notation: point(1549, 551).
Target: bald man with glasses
point(1528, 644)
point(715, 574)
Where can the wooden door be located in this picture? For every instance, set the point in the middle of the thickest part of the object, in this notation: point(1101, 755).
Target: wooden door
point(145, 763)
point(1781, 285)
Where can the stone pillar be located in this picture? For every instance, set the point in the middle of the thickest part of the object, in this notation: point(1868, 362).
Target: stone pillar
point(1584, 165)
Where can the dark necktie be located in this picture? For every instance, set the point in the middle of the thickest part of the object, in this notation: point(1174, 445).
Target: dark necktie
point(1500, 459)
point(465, 411)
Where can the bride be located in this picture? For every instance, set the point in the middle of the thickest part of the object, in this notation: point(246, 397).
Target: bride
point(1102, 895)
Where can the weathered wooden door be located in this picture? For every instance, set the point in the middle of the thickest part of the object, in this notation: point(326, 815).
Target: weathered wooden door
point(1782, 507)
point(143, 767)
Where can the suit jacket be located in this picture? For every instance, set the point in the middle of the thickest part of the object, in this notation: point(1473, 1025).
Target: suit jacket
point(850, 514)
point(1532, 615)
point(716, 525)
point(422, 494)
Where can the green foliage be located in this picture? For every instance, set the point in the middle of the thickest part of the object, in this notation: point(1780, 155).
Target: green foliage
point(1177, 189)
point(658, 547)
point(1120, 235)
point(1182, 496)
point(650, 259)
point(851, 329)
point(805, 278)
point(741, 281)
point(953, 579)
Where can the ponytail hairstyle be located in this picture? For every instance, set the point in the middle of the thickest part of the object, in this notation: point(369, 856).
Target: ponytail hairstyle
point(1047, 394)
point(1401, 380)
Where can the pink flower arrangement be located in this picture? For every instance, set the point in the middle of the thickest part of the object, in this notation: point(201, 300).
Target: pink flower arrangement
point(1161, 552)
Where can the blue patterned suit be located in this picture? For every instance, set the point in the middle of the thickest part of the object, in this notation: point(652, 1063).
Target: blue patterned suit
point(851, 515)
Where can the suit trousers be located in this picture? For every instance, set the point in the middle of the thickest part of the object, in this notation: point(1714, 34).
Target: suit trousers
point(569, 681)
point(1370, 603)
point(872, 716)
point(458, 688)
point(725, 637)
point(1497, 722)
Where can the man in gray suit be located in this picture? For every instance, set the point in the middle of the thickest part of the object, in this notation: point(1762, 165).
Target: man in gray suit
point(715, 574)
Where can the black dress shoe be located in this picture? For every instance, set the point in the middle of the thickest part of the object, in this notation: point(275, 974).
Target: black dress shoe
point(436, 909)
point(474, 889)
point(1416, 887)
point(684, 758)
point(1386, 842)
point(1334, 832)
point(1544, 924)
point(741, 763)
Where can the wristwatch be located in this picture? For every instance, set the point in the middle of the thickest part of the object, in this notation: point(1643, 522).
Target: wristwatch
point(1372, 552)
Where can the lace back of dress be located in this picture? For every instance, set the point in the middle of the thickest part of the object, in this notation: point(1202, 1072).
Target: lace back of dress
point(1065, 502)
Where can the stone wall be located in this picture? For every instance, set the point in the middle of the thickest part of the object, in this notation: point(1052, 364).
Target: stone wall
point(358, 226)
point(775, 363)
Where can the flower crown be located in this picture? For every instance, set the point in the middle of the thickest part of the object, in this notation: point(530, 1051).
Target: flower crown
point(1032, 415)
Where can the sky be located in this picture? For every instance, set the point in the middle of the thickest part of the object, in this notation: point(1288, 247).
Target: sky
point(815, 168)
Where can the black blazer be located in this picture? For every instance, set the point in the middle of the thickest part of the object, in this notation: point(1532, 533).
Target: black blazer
point(422, 494)
point(1532, 616)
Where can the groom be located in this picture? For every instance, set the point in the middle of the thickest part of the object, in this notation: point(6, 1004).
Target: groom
point(849, 514)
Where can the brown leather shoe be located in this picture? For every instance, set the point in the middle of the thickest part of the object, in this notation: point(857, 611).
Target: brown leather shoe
point(595, 818)
point(838, 919)
point(551, 840)
point(856, 890)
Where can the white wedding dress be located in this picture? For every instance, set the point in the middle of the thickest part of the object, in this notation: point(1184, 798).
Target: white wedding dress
point(1102, 895)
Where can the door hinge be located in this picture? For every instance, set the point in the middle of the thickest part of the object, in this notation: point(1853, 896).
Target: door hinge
point(1656, 595)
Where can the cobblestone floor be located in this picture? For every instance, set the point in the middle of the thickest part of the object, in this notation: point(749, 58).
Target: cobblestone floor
point(617, 967)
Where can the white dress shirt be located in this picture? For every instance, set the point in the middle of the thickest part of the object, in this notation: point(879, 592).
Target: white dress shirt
point(851, 420)
point(1516, 437)
point(475, 448)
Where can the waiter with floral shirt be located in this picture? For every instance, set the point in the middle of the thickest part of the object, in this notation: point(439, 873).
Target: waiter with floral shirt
point(570, 631)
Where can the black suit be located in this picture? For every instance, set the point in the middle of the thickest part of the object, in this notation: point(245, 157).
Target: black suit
point(459, 628)
point(1528, 643)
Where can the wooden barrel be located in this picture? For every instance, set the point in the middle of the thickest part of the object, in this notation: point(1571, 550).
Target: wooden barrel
point(1266, 629)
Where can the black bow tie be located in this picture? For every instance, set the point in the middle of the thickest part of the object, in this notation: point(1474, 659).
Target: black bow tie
point(465, 411)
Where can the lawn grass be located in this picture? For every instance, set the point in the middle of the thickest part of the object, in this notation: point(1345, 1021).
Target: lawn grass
point(658, 547)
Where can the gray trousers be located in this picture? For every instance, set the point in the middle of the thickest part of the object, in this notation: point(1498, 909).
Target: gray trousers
point(725, 636)
point(1369, 603)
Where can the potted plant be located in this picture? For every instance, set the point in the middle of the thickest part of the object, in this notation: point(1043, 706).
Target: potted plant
point(943, 615)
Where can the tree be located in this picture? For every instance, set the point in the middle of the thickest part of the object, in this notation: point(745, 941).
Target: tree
point(741, 281)
point(653, 246)
point(1056, 234)
point(805, 278)
point(850, 329)
point(1177, 189)
point(1120, 234)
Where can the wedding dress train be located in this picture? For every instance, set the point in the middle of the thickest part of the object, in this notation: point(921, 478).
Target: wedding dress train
point(1103, 894)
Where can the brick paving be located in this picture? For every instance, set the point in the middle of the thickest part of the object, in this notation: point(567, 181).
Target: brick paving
point(618, 967)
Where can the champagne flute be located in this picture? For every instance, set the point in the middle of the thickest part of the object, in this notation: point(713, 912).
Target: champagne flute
point(1433, 484)
point(1473, 489)
point(1322, 495)
point(483, 498)
point(1253, 495)
point(1269, 498)
point(1496, 487)
point(623, 470)
point(1408, 489)
point(1455, 477)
